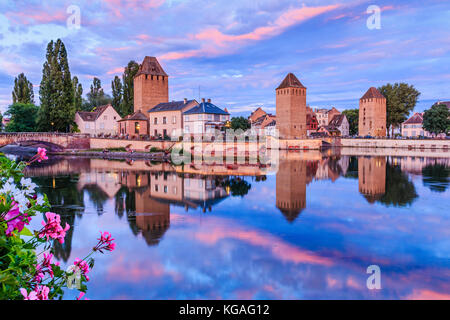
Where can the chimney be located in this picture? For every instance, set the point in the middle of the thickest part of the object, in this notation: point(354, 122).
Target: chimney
point(203, 99)
point(185, 100)
point(209, 100)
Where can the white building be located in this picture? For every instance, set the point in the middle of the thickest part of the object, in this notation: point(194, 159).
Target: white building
point(204, 118)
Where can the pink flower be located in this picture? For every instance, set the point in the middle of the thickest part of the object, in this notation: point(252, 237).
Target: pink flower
point(53, 229)
point(17, 220)
point(42, 154)
point(83, 267)
point(81, 296)
point(40, 293)
point(105, 242)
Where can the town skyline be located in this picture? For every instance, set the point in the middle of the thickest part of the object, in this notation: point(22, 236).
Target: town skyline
point(237, 62)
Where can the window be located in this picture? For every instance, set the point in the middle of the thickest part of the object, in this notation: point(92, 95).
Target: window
point(199, 117)
point(137, 127)
point(102, 125)
point(87, 125)
point(186, 128)
point(155, 120)
point(105, 117)
point(156, 133)
point(210, 116)
point(174, 119)
point(165, 189)
point(164, 120)
point(186, 118)
point(156, 187)
point(164, 132)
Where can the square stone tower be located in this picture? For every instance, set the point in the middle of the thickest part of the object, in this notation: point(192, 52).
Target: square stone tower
point(291, 108)
point(372, 114)
point(151, 85)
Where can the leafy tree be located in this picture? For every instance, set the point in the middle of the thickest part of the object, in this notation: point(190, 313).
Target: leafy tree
point(23, 90)
point(23, 117)
point(353, 119)
point(400, 190)
point(127, 105)
point(238, 187)
point(78, 94)
point(436, 177)
point(401, 99)
point(240, 123)
point(117, 88)
point(437, 119)
point(57, 112)
point(96, 97)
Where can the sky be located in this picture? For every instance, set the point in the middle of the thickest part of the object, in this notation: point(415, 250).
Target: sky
point(237, 52)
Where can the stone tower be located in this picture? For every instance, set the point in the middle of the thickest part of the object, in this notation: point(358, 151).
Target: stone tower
point(372, 177)
point(372, 114)
point(291, 187)
point(151, 85)
point(291, 108)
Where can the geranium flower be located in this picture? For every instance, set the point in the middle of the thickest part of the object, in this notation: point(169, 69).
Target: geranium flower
point(105, 242)
point(53, 229)
point(84, 268)
point(17, 221)
point(31, 296)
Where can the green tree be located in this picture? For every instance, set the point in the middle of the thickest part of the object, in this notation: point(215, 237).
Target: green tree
point(436, 176)
point(23, 117)
point(96, 97)
point(57, 112)
point(436, 119)
point(127, 105)
point(400, 190)
point(353, 120)
point(240, 123)
point(117, 88)
point(401, 99)
point(23, 90)
point(78, 94)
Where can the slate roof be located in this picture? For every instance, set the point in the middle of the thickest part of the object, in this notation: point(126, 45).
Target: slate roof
point(151, 66)
point(206, 107)
point(416, 118)
point(93, 115)
point(170, 106)
point(372, 93)
point(291, 81)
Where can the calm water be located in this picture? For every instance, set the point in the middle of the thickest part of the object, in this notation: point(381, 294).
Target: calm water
point(308, 231)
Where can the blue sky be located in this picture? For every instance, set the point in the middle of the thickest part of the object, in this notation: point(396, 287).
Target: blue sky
point(237, 52)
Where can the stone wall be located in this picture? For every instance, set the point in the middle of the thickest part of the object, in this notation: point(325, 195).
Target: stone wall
point(63, 140)
point(396, 143)
point(150, 90)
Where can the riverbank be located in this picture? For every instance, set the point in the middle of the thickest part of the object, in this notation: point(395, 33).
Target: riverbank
point(116, 155)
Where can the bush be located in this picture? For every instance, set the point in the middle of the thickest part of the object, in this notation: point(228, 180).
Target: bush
point(24, 273)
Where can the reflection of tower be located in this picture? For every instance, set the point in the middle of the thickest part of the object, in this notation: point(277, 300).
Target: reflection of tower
point(152, 217)
point(291, 188)
point(372, 177)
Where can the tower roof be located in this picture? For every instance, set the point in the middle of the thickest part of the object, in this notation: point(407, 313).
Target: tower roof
point(151, 66)
point(372, 93)
point(291, 81)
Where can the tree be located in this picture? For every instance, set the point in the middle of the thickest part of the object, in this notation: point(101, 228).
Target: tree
point(78, 94)
point(435, 176)
point(240, 123)
point(23, 90)
point(117, 88)
point(436, 119)
point(23, 117)
point(57, 111)
point(400, 190)
point(353, 119)
point(127, 105)
point(401, 99)
point(96, 97)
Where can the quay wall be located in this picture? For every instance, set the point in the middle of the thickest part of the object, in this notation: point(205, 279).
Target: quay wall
point(395, 143)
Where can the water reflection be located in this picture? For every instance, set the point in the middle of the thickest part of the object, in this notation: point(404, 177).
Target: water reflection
point(321, 219)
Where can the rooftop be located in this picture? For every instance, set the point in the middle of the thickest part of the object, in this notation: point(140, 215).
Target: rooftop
point(171, 106)
point(206, 107)
point(93, 115)
point(291, 81)
point(151, 66)
point(416, 118)
point(135, 116)
point(372, 93)
point(337, 120)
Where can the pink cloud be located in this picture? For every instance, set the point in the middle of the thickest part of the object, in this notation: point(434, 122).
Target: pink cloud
point(213, 38)
point(425, 294)
point(118, 6)
point(36, 17)
point(116, 70)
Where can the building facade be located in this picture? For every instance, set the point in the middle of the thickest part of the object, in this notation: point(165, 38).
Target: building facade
point(166, 119)
point(133, 125)
point(372, 114)
point(291, 108)
point(341, 123)
point(103, 120)
point(204, 118)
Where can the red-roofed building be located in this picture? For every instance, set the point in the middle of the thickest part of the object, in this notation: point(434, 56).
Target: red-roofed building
point(103, 120)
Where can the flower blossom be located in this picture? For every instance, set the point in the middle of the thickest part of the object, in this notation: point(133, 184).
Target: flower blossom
point(39, 293)
point(105, 242)
point(84, 267)
point(53, 229)
point(17, 221)
point(31, 296)
point(39, 156)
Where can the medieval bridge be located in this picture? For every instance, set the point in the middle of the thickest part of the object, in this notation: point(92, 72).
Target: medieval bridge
point(54, 141)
